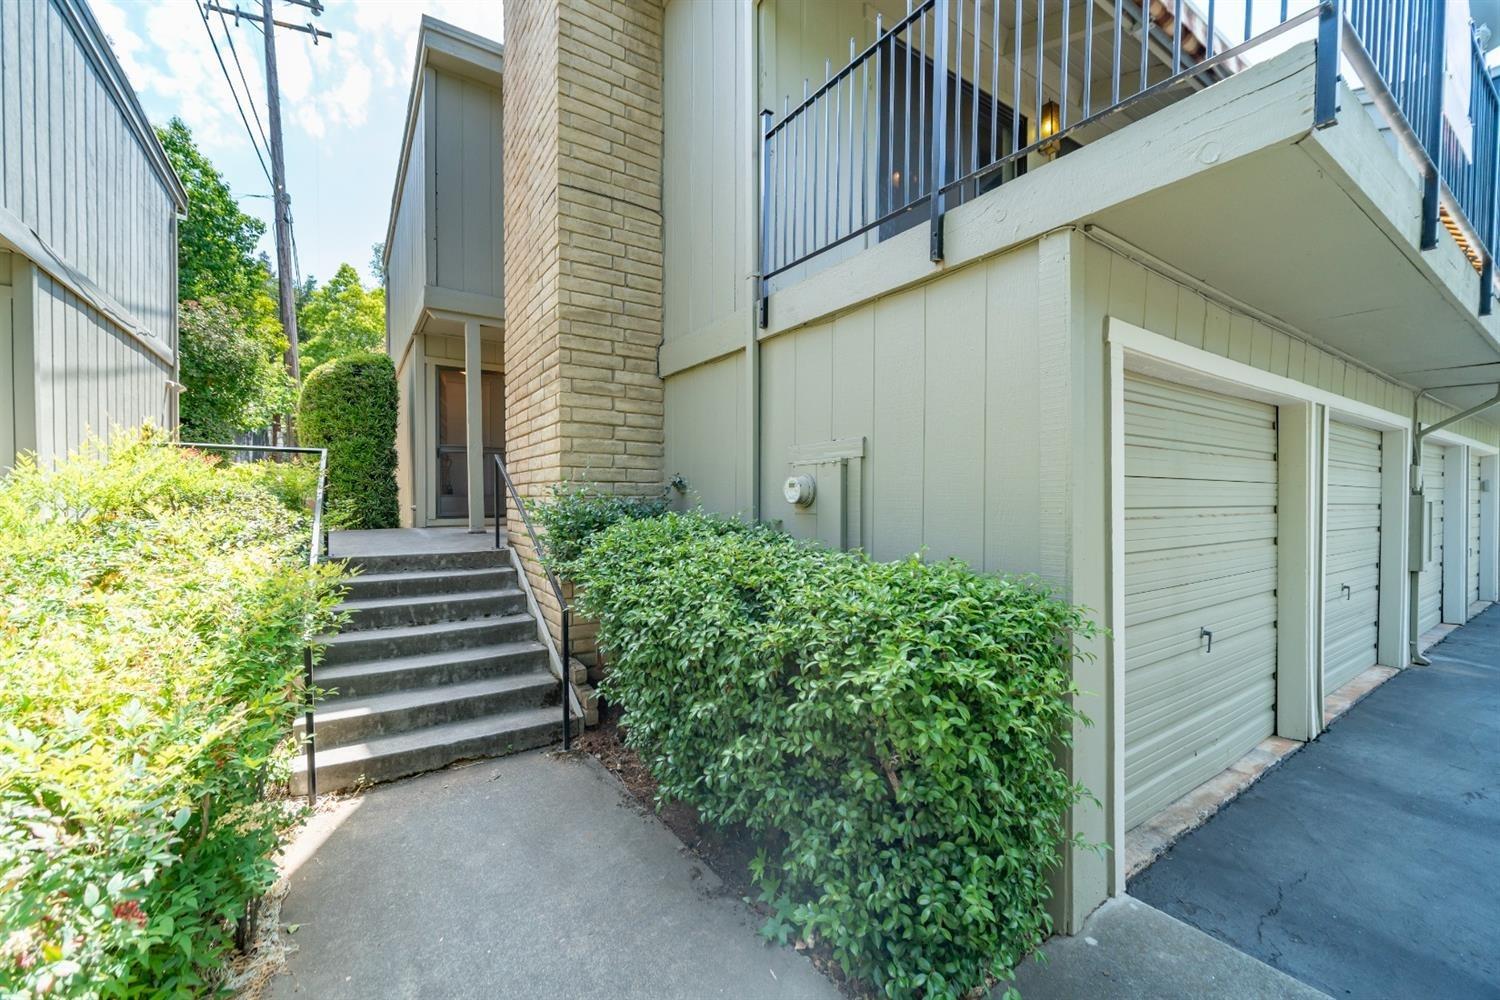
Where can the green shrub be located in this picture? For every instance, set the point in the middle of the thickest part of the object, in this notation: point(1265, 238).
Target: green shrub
point(574, 513)
point(349, 407)
point(153, 612)
point(889, 728)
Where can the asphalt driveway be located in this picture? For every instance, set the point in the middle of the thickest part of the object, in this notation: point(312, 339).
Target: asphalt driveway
point(1368, 864)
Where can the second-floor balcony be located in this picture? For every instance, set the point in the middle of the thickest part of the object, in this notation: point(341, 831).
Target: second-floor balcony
point(974, 109)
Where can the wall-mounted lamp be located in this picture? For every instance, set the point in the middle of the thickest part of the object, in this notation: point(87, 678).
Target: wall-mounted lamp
point(1049, 126)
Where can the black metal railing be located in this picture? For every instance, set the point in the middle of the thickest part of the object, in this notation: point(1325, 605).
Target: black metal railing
point(1399, 51)
point(566, 611)
point(314, 556)
point(951, 99)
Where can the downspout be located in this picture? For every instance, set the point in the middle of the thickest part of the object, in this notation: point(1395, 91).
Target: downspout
point(749, 9)
point(1416, 509)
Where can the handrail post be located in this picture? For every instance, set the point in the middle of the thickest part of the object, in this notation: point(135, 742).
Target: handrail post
point(501, 475)
point(1326, 86)
point(762, 303)
point(1432, 131)
point(939, 167)
point(314, 556)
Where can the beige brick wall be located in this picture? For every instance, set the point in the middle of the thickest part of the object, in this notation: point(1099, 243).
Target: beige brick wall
point(583, 249)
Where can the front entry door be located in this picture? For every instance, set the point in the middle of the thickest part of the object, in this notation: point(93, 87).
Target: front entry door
point(452, 441)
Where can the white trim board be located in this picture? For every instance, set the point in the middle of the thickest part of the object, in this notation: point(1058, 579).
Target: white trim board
point(1152, 353)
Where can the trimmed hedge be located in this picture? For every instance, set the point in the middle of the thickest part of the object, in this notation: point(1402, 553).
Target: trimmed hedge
point(891, 729)
point(348, 406)
point(153, 612)
point(572, 514)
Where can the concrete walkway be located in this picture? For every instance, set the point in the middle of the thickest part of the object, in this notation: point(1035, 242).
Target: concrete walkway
point(1368, 864)
point(527, 876)
point(1131, 951)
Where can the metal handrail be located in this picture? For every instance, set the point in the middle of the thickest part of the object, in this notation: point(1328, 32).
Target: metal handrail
point(502, 475)
point(314, 556)
point(900, 126)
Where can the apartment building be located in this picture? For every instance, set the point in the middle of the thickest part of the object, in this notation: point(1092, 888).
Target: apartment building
point(88, 239)
point(1187, 308)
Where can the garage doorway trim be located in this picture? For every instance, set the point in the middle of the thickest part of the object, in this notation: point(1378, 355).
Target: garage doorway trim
point(1303, 415)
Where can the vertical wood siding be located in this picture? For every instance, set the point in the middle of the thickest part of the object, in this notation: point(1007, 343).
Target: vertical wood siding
point(945, 382)
point(406, 267)
point(73, 171)
point(89, 376)
point(706, 176)
point(706, 433)
point(469, 201)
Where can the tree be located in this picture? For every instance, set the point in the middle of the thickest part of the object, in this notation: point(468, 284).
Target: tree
point(232, 385)
point(377, 262)
point(216, 242)
point(231, 337)
point(340, 319)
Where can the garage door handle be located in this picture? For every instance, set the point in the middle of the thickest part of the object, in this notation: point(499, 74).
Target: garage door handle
point(1348, 592)
point(1208, 634)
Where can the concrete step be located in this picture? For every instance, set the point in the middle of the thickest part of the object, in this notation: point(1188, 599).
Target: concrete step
point(340, 721)
point(389, 757)
point(429, 609)
point(422, 582)
point(361, 679)
point(428, 562)
point(411, 640)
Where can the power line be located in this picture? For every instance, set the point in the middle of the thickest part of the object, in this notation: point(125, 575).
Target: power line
point(234, 93)
point(249, 94)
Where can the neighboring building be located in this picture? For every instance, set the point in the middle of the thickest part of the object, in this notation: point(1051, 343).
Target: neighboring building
point(444, 250)
point(88, 239)
point(1189, 302)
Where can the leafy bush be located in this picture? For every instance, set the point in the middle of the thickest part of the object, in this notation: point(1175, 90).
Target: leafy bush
point(574, 513)
point(234, 378)
point(153, 612)
point(349, 407)
point(890, 728)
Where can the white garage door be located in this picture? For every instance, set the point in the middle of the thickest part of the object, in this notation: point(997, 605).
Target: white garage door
point(1200, 553)
point(1473, 530)
point(1430, 593)
point(1351, 581)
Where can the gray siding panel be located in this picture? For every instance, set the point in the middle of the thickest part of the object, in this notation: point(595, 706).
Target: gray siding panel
point(78, 177)
point(90, 376)
point(406, 267)
point(466, 168)
point(108, 216)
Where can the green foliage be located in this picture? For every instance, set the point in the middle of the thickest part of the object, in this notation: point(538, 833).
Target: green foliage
point(216, 241)
point(890, 728)
point(232, 341)
point(233, 383)
point(153, 612)
point(574, 513)
point(349, 407)
point(340, 319)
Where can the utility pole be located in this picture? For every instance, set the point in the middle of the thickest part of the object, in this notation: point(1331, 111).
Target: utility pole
point(281, 200)
point(286, 291)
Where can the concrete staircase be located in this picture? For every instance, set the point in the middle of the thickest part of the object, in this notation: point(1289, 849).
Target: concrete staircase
point(440, 661)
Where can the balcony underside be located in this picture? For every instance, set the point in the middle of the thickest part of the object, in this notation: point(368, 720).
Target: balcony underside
point(1322, 233)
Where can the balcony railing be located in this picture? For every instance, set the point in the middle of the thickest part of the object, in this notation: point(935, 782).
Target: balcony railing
point(954, 97)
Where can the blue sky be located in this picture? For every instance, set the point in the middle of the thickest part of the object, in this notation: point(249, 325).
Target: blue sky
point(343, 104)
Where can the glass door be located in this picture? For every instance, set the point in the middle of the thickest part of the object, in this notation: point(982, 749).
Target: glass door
point(452, 441)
